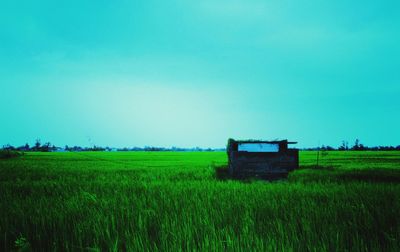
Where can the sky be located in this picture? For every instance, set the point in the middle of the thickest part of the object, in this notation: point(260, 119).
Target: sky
point(195, 73)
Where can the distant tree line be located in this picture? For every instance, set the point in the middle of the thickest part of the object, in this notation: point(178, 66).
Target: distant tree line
point(357, 146)
point(38, 146)
point(48, 147)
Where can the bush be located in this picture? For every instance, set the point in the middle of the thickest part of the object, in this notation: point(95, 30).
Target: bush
point(6, 154)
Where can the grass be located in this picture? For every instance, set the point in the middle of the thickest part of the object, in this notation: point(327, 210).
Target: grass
point(169, 201)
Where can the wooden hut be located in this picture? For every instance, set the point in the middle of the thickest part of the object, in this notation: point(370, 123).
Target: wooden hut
point(265, 159)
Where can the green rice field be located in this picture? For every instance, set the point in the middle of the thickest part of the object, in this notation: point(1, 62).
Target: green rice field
point(182, 201)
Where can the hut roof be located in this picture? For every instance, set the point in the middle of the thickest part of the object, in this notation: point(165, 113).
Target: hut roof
point(264, 141)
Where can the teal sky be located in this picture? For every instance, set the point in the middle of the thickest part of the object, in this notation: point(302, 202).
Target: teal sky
point(194, 73)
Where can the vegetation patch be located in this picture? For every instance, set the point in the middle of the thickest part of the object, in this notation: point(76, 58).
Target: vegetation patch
point(221, 172)
point(7, 154)
point(372, 175)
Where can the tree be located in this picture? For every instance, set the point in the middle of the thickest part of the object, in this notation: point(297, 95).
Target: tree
point(8, 147)
point(344, 146)
point(46, 147)
point(356, 145)
point(37, 145)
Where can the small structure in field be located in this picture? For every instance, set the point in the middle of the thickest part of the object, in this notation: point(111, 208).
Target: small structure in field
point(265, 159)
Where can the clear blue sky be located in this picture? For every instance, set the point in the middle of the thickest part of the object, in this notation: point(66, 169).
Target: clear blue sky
point(194, 73)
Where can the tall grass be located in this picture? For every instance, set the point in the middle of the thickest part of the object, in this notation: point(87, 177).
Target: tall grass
point(174, 201)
